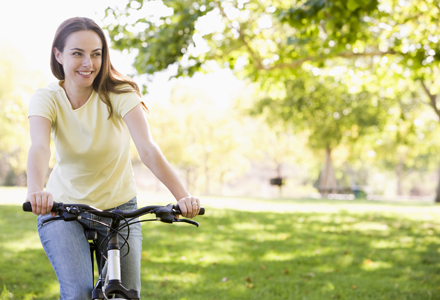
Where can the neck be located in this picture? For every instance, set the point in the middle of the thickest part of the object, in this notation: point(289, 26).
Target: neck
point(77, 96)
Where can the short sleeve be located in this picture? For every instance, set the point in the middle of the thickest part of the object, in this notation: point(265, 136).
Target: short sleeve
point(42, 104)
point(123, 103)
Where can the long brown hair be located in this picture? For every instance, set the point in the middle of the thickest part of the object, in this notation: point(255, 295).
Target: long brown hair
point(109, 80)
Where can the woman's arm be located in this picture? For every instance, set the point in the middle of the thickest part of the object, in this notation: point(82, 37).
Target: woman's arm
point(38, 161)
point(152, 157)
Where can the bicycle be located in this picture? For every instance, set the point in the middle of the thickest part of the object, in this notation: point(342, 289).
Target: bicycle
point(111, 285)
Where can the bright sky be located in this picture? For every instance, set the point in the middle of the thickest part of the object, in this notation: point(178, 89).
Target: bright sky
point(29, 27)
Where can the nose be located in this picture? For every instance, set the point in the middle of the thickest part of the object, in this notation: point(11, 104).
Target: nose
point(87, 62)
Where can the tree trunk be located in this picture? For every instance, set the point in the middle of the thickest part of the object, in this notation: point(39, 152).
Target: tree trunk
point(280, 191)
point(399, 175)
point(327, 183)
point(433, 104)
point(437, 197)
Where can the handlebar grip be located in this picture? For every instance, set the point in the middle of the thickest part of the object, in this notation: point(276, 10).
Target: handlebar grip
point(177, 209)
point(202, 211)
point(28, 207)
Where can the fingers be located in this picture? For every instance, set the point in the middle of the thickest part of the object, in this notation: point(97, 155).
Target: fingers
point(36, 208)
point(41, 202)
point(50, 205)
point(189, 206)
point(195, 206)
point(183, 207)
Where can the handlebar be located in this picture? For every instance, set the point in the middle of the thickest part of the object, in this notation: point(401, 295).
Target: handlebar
point(56, 206)
point(71, 211)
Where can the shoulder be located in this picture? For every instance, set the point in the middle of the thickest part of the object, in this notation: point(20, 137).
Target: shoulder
point(123, 102)
point(44, 101)
point(125, 92)
point(50, 91)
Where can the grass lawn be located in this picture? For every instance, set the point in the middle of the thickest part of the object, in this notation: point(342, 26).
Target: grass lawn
point(259, 249)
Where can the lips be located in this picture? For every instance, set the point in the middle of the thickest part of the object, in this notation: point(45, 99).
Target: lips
point(85, 74)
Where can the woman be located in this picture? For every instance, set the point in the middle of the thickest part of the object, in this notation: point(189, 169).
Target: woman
point(91, 112)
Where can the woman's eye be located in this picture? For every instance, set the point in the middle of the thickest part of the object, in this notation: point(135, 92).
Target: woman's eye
point(76, 53)
point(97, 54)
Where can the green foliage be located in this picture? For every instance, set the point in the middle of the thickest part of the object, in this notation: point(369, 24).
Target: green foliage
point(162, 42)
point(291, 249)
point(327, 110)
point(405, 29)
point(337, 20)
point(266, 40)
point(5, 294)
point(312, 61)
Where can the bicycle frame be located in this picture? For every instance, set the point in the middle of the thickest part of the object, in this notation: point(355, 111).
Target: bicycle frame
point(114, 285)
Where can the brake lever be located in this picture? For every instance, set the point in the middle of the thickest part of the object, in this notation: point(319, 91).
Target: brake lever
point(65, 216)
point(187, 221)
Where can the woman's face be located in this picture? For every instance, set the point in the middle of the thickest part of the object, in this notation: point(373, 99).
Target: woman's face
point(81, 58)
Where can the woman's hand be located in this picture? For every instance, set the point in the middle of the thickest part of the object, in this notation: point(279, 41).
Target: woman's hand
point(41, 202)
point(189, 206)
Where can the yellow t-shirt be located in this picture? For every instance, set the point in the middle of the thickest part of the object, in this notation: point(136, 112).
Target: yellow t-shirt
point(92, 152)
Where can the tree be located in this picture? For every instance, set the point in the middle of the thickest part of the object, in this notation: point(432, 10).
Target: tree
point(409, 143)
point(400, 36)
point(329, 113)
point(280, 44)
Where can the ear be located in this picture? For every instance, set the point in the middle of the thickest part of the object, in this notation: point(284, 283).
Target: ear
point(57, 54)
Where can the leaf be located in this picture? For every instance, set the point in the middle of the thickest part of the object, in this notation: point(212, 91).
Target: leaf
point(352, 5)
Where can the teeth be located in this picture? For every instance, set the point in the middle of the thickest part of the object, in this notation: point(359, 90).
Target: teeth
point(85, 73)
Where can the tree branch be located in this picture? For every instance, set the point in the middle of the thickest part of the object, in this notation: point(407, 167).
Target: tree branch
point(299, 62)
point(241, 34)
point(432, 98)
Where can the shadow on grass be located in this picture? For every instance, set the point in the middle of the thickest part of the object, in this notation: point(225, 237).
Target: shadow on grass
point(295, 256)
point(255, 255)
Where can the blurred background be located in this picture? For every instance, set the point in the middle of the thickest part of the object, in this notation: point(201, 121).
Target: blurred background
point(291, 99)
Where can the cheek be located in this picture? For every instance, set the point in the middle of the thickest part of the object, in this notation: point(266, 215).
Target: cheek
point(97, 62)
point(69, 65)
point(99, 65)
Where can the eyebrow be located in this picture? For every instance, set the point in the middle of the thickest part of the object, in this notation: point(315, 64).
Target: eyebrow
point(79, 49)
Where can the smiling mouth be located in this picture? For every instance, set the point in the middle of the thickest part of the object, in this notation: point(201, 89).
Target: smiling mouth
point(85, 73)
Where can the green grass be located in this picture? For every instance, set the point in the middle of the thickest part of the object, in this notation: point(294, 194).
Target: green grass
point(314, 250)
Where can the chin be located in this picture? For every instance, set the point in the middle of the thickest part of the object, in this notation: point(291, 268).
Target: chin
point(85, 83)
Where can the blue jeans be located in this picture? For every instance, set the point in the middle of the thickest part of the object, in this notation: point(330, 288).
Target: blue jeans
point(68, 251)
